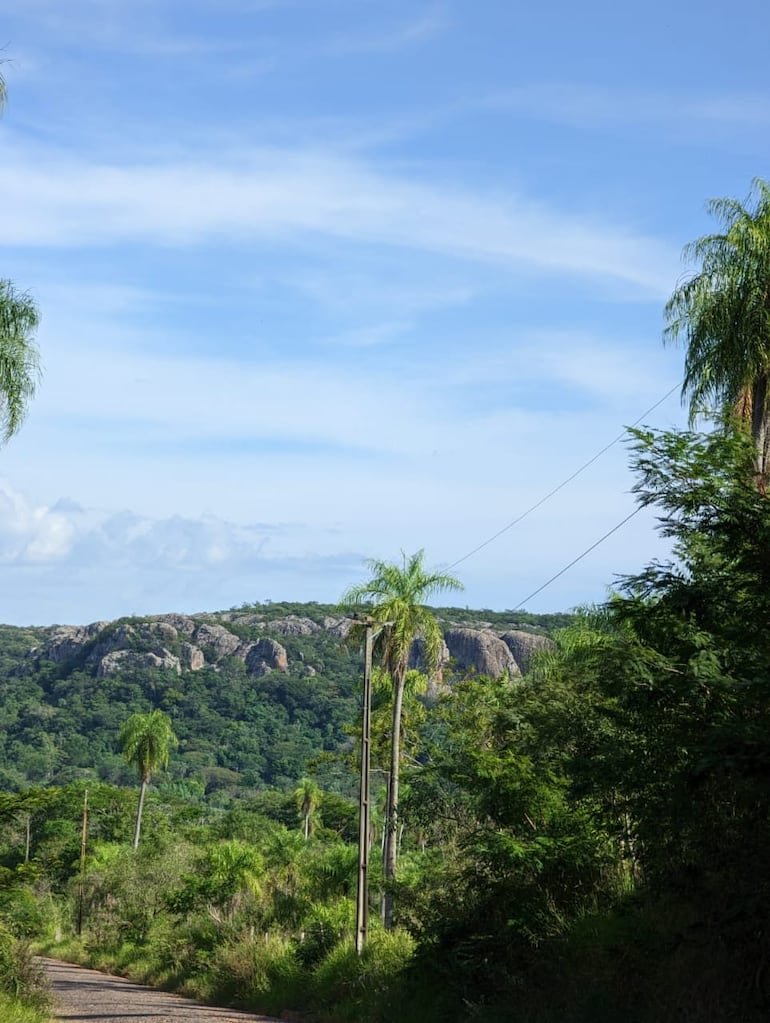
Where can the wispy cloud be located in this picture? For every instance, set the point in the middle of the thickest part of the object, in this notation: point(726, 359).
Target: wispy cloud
point(52, 199)
point(391, 37)
point(586, 105)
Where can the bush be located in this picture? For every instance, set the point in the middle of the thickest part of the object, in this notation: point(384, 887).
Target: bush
point(256, 972)
point(21, 979)
point(363, 988)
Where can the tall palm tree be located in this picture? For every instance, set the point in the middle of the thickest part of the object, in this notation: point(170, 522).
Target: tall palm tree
point(395, 596)
point(722, 312)
point(308, 798)
point(19, 359)
point(146, 741)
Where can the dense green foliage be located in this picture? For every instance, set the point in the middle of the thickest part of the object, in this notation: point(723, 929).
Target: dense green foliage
point(59, 722)
point(590, 842)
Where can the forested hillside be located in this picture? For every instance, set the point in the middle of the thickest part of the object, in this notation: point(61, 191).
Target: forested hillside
point(258, 695)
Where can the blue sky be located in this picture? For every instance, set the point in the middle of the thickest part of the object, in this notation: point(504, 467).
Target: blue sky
point(321, 281)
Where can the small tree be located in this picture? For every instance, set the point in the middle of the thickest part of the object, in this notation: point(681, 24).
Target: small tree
point(146, 741)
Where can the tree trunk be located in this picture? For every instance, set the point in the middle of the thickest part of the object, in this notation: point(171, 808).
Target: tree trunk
point(138, 828)
point(760, 428)
point(391, 821)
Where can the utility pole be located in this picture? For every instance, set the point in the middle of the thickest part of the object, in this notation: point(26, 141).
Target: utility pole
point(83, 840)
point(362, 895)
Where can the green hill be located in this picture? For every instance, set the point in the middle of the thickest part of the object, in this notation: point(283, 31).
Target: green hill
point(258, 695)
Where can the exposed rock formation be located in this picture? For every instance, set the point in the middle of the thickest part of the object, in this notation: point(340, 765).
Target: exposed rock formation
point(67, 641)
point(294, 626)
point(524, 644)
point(184, 625)
point(338, 626)
point(217, 638)
point(126, 660)
point(481, 650)
point(158, 632)
point(417, 657)
point(264, 656)
point(192, 657)
point(178, 642)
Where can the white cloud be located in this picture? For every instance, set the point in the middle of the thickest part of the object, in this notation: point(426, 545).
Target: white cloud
point(32, 532)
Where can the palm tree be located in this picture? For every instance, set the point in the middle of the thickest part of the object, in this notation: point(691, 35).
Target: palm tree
point(146, 741)
point(394, 597)
point(19, 359)
point(308, 797)
point(722, 312)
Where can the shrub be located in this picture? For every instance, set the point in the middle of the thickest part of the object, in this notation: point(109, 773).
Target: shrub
point(20, 977)
point(362, 988)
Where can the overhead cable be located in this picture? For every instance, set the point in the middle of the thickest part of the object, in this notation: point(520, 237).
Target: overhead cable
point(563, 484)
point(580, 557)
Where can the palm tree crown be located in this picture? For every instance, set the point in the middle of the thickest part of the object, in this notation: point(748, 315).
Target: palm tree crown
point(395, 597)
point(146, 741)
point(19, 359)
point(722, 312)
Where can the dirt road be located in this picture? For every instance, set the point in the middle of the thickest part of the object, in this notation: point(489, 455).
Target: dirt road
point(85, 996)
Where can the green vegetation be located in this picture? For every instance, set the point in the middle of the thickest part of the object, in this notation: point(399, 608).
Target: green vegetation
point(586, 843)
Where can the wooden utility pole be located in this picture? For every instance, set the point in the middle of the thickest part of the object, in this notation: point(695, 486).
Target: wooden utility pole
point(364, 806)
point(83, 841)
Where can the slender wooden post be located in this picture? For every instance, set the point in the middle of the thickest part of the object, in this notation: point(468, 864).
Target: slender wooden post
point(364, 805)
point(83, 841)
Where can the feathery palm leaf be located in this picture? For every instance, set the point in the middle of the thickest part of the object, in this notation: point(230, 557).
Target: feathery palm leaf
point(722, 313)
point(19, 357)
point(146, 741)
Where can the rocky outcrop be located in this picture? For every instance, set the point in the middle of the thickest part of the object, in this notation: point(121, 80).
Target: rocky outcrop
point(68, 641)
point(480, 650)
point(183, 624)
point(293, 625)
point(158, 632)
point(264, 656)
point(112, 639)
point(524, 644)
point(256, 621)
point(127, 660)
point(219, 640)
point(192, 657)
point(338, 626)
point(417, 657)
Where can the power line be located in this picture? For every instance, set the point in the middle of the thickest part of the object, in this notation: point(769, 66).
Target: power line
point(580, 557)
point(563, 484)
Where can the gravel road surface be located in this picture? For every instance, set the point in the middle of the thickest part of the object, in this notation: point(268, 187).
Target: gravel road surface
point(85, 996)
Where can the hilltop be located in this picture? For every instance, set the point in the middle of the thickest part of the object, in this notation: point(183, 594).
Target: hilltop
point(258, 694)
